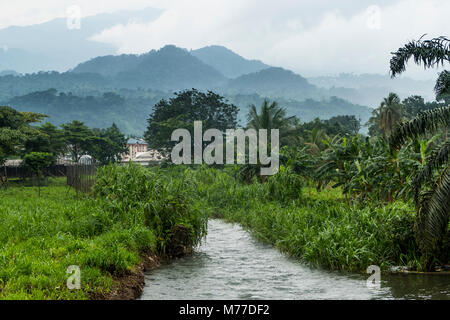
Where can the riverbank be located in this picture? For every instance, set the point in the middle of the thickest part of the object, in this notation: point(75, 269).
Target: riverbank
point(319, 228)
point(132, 214)
point(230, 264)
point(135, 213)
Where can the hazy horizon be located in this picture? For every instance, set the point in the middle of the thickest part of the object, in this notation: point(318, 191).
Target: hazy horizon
point(319, 38)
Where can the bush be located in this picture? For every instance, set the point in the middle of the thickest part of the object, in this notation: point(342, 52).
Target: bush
point(134, 193)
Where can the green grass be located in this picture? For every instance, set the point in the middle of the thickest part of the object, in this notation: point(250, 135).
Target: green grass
point(104, 235)
point(319, 228)
point(134, 210)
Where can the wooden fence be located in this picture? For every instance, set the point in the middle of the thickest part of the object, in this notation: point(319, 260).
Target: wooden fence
point(81, 177)
point(57, 170)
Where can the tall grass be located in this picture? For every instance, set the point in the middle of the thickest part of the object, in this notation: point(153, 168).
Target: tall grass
point(320, 228)
point(134, 212)
point(138, 195)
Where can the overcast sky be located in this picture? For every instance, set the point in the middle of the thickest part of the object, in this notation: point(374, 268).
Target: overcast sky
point(310, 37)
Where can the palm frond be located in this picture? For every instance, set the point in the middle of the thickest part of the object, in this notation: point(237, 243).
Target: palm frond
point(442, 86)
point(434, 211)
point(435, 160)
point(426, 122)
point(427, 52)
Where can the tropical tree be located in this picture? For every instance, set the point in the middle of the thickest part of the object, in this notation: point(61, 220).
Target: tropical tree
point(47, 138)
point(431, 186)
point(78, 137)
point(36, 162)
point(386, 116)
point(108, 145)
point(430, 53)
point(182, 110)
point(15, 130)
point(433, 203)
point(272, 116)
point(315, 140)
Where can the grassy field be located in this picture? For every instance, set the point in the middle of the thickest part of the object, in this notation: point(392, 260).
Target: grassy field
point(105, 235)
point(135, 210)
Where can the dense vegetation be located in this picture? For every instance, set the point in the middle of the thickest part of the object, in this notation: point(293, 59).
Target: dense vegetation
point(318, 227)
point(19, 138)
point(134, 212)
point(121, 88)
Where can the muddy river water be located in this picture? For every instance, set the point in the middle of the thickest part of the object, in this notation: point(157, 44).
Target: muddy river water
point(230, 264)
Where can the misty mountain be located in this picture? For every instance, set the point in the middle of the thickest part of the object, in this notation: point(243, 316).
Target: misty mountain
point(8, 73)
point(53, 46)
point(129, 109)
point(370, 89)
point(110, 65)
point(273, 82)
point(229, 63)
point(170, 68)
point(99, 111)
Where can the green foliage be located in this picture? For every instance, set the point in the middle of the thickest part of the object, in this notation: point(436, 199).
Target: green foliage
point(78, 137)
point(48, 138)
point(430, 53)
point(181, 112)
point(43, 236)
point(136, 211)
point(96, 108)
point(162, 203)
point(15, 129)
point(37, 161)
point(271, 116)
point(426, 122)
point(104, 145)
point(317, 227)
point(386, 116)
point(108, 145)
point(433, 204)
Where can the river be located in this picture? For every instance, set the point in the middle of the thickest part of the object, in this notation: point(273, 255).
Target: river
point(231, 265)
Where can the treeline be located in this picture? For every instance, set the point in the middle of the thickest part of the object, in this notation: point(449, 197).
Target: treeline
point(95, 111)
point(41, 145)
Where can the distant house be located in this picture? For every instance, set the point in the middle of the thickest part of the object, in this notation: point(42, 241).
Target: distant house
point(138, 152)
point(135, 146)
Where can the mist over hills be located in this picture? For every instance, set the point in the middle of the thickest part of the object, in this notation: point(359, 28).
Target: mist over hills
point(273, 82)
point(230, 64)
point(89, 70)
point(168, 69)
point(137, 82)
point(369, 89)
point(53, 46)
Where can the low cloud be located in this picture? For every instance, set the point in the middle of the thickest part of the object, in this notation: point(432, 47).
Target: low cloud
point(309, 37)
point(279, 34)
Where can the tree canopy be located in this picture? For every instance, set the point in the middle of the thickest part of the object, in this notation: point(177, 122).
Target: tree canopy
point(181, 112)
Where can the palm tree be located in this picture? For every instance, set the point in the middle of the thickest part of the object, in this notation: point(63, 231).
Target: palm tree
point(386, 116)
point(271, 116)
point(390, 113)
point(430, 53)
point(316, 140)
point(433, 203)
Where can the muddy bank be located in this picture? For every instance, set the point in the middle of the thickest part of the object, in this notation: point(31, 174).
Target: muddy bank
point(131, 286)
